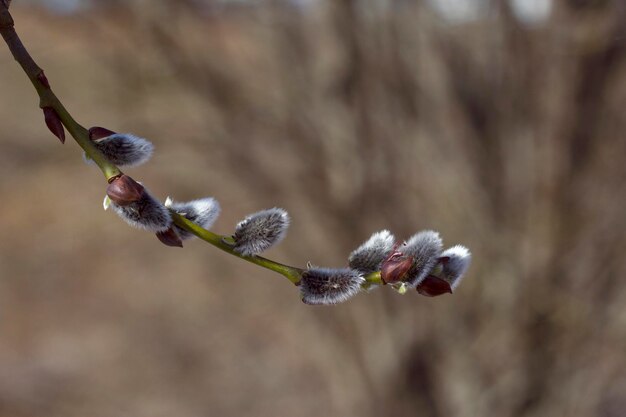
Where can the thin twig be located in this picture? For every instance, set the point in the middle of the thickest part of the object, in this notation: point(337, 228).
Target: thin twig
point(47, 98)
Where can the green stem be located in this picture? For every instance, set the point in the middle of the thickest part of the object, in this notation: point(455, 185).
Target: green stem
point(47, 98)
point(373, 278)
point(293, 274)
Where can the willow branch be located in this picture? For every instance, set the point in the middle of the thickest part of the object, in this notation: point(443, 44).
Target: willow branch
point(293, 274)
point(47, 98)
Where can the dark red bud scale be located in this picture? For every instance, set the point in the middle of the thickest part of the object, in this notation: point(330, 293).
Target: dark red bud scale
point(170, 238)
point(433, 286)
point(54, 123)
point(97, 132)
point(395, 267)
point(124, 190)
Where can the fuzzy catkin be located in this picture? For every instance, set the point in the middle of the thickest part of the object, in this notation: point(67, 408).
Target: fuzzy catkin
point(124, 149)
point(425, 248)
point(203, 211)
point(454, 268)
point(147, 214)
point(369, 256)
point(330, 286)
point(260, 231)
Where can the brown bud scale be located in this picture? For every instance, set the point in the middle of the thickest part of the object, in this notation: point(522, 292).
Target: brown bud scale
point(54, 123)
point(98, 132)
point(170, 238)
point(124, 190)
point(433, 286)
point(395, 267)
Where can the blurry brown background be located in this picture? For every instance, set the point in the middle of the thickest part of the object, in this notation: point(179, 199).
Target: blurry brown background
point(500, 124)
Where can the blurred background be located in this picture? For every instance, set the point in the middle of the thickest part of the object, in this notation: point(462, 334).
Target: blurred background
point(498, 123)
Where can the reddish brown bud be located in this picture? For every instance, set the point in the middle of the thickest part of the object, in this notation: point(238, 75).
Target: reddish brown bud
point(124, 190)
point(433, 286)
point(170, 238)
point(97, 132)
point(43, 80)
point(54, 123)
point(395, 267)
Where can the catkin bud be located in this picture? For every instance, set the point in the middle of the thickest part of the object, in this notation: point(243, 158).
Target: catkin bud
point(260, 231)
point(329, 286)
point(424, 247)
point(369, 256)
point(122, 149)
point(203, 212)
point(43, 79)
point(455, 262)
point(146, 213)
point(53, 121)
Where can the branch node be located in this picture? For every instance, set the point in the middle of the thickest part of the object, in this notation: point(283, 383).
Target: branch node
point(43, 79)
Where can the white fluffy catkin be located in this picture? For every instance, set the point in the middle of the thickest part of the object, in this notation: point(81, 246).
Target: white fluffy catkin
point(146, 214)
point(369, 256)
point(459, 259)
point(330, 286)
point(124, 149)
point(425, 248)
point(260, 231)
point(203, 211)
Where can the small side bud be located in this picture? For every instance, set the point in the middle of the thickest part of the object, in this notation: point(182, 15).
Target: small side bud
point(43, 79)
point(424, 248)
point(455, 262)
point(370, 255)
point(124, 190)
point(260, 231)
point(203, 212)
point(54, 123)
point(329, 286)
point(395, 268)
point(122, 149)
point(170, 238)
point(432, 286)
point(147, 213)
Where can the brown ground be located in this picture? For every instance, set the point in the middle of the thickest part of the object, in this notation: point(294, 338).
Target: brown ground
point(505, 138)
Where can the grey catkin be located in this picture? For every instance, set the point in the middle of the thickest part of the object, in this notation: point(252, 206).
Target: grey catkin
point(147, 214)
point(329, 286)
point(425, 248)
point(369, 256)
point(260, 231)
point(124, 149)
point(203, 211)
point(456, 264)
